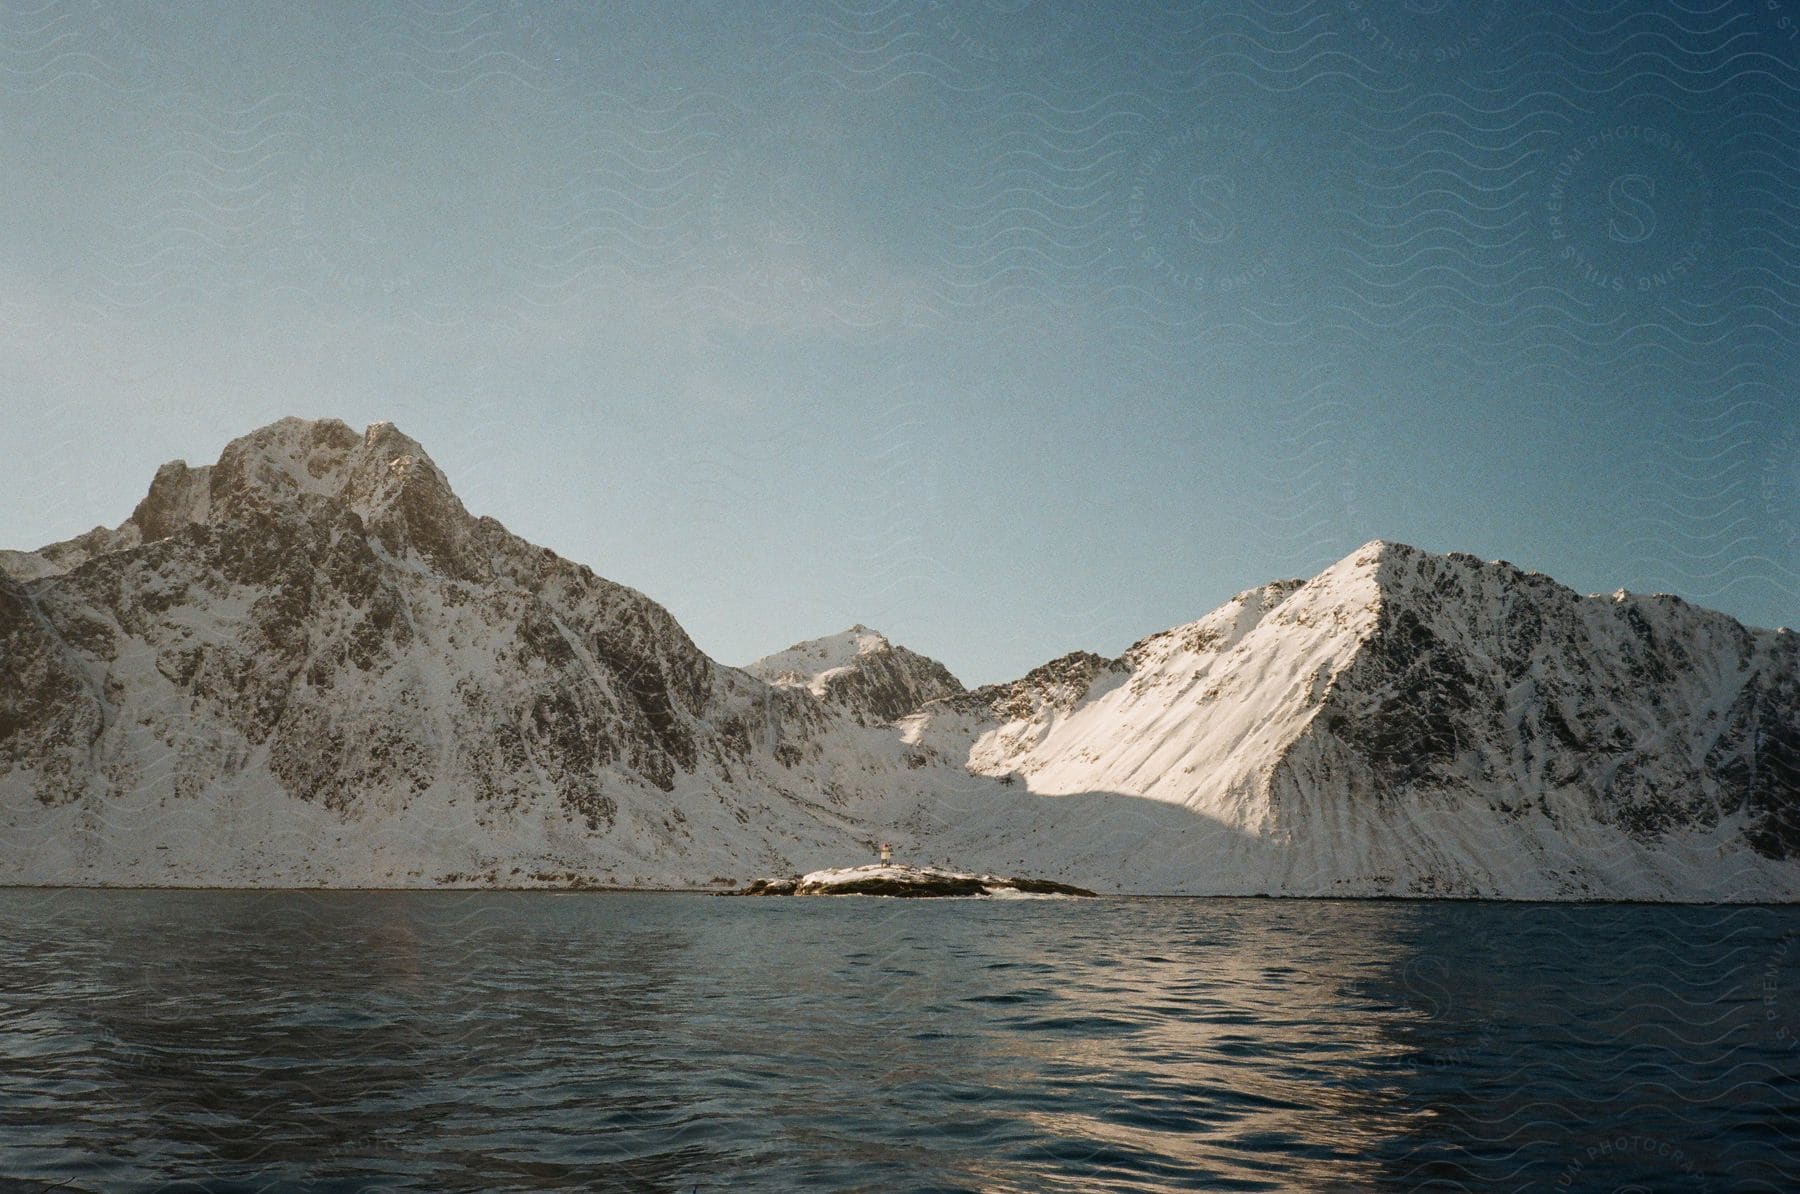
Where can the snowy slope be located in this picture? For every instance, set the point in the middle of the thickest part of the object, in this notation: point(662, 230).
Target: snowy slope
point(860, 671)
point(308, 664)
point(1407, 723)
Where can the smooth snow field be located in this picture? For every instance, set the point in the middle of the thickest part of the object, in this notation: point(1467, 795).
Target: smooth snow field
point(634, 1041)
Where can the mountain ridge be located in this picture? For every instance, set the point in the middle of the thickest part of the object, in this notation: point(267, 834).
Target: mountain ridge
point(308, 664)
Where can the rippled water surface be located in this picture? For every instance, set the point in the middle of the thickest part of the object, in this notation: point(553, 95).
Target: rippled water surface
point(449, 1041)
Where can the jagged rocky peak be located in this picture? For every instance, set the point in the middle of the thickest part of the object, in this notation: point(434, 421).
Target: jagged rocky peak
point(178, 495)
point(861, 671)
point(370, 472)
point(380, 474)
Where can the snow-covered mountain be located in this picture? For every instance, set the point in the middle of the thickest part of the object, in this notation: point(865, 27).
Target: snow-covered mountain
point(861, 671)
point(1410, 723)
point(308, 664)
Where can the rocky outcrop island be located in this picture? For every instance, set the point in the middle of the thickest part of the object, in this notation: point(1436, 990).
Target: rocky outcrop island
point(893, 879)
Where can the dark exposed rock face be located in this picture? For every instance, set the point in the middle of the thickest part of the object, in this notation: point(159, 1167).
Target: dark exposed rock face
point(912, 887)
point(765, 887)
point(1659, 715)
point(179, 495)
point(51, 712)
point(891, 683)
point(1418, 695)
point(1757, 752)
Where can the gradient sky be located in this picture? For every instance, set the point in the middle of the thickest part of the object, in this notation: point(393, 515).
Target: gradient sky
point(1007, 328)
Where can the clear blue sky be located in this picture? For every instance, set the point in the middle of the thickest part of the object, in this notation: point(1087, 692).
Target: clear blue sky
point(1007, 328)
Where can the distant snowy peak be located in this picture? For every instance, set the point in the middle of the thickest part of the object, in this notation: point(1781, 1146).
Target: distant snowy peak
point(809, 664)
point(861, 671)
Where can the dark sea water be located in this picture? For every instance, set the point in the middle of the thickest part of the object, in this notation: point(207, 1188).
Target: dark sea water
point(531, 1041)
